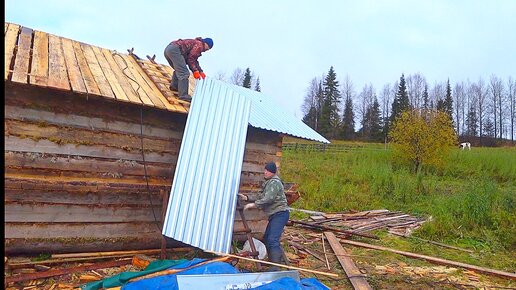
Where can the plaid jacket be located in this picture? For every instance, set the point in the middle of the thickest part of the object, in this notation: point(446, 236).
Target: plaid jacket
point(191, 49)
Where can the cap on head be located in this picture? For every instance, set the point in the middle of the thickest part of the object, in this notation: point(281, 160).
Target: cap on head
point(271, 167)
point(208, 41)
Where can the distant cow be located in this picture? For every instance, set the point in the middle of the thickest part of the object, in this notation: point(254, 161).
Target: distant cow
point(465, 145)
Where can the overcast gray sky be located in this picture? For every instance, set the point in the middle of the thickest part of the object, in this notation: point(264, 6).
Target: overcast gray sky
point(288, 43)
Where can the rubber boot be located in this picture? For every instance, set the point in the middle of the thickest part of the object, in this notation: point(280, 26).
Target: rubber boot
point(275, 256)
point(173, 83)
point(183, 90)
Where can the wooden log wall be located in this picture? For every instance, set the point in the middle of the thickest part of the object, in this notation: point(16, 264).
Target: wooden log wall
point(75, 176)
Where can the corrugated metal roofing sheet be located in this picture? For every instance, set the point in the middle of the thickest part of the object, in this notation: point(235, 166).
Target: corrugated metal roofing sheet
point(266, 114)
point(203, 196)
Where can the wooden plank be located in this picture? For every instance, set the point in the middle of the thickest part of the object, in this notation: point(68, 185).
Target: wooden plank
point(123, 80)
point(96, 70)
point(110, 76)
point(13, 143)
point(39, 71)
point(122, 61)
point(21, 65)
point(154, 94)
point(78, 230)
point(435, 260)
point(72, 65)
point(10, 39)
point(87, 75)
point(354, 275)
point(68, 213)
point(92, 123)
point(57, 73)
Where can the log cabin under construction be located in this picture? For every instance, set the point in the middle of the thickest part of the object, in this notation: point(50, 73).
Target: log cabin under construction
point(91, 143)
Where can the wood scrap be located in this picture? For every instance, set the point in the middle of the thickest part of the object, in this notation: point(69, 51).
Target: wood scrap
point(321, 227)
point(59, 261)
point(354, 275)
point(275, 264)
point(59, 272)
point(324, 251)
point(115, 253)
point(434, 260)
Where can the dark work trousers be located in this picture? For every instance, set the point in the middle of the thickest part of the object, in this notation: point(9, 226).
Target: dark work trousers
point(180, 76)
point(272, 236)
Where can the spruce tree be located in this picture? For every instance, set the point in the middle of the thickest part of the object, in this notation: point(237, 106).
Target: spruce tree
point(310, 118)
point(472, 122)
point(348, 121)
point(330, 118)
point(375, 122)
point(426, 104)
point(401, 101)
point(257, 86)
point(448, 101)
point(247, 79)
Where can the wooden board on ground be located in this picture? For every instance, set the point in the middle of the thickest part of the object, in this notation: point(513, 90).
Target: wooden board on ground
point(354, 275)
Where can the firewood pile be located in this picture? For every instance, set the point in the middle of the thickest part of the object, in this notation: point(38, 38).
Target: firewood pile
point(366, 221)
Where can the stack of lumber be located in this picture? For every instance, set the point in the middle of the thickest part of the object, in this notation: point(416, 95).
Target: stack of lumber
point(366, 221)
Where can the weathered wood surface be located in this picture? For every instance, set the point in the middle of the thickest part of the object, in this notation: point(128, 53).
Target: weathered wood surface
point(39, 72)
point(75, 179)
point(21, 65)
point(354, 275)
point(10, 39)
point(46, 60)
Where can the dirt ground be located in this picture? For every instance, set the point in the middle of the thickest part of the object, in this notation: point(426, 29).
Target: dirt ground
point(304, 249)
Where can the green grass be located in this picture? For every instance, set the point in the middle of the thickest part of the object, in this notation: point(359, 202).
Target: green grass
point(472, 200)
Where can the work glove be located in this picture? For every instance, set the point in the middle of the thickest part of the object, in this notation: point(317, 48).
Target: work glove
point(250, 205)
point(197, 75)
point(203, 75)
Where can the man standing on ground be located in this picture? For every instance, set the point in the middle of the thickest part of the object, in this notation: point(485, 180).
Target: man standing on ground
point(273, 202)
point(181, 52)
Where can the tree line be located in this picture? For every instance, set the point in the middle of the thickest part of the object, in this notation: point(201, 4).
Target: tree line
point(481, 109)
point(244, 78)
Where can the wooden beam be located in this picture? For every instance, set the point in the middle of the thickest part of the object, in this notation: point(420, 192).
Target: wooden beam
point(59, 272)
point(435, 260)
point(354, 275)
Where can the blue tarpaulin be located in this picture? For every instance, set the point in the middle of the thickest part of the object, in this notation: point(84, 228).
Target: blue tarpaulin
point(169, 282)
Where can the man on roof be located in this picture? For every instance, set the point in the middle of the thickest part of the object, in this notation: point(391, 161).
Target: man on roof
point(181, 52)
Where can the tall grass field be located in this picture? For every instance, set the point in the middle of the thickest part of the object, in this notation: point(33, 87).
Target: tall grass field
point(471, 202)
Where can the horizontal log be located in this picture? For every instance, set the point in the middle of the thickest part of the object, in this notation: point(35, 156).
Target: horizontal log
point(87, 136)
point(64, 176)
point(86, 164)
point(80, 185)
point(121, 197)
point(92, 213)
point(13, 143)
point(92, 107)
point(79, 230)
point(51, 245)
point(85, 122)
